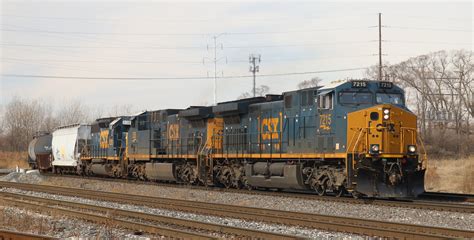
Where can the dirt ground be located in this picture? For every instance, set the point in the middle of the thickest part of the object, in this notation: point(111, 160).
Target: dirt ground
point(13, 159)
point(450, 175)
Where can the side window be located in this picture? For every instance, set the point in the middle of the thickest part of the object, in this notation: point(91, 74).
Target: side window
point(304, 98)
point(142, 123)
point(288, 101)
point(310, 98)
point(326, 101)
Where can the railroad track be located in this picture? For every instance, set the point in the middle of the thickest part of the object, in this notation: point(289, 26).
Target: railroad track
point(317, 221)
point(122, 218)
point(12, 235)
point(416, 204)
point(448, 196)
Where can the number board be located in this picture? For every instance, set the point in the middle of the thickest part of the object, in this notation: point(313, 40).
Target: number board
point(359, 84)
point(385, 85)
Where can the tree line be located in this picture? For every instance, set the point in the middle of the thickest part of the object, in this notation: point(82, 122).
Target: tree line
point(439, 88)
point(21, 119)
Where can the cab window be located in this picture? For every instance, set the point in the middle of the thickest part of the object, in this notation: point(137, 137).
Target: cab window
point(390, 98)
point(355, 98)
point(325, 101)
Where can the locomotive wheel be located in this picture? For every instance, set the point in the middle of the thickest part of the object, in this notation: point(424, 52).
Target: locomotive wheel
point(320, 186)
point(356, 195)
point(320, 189)
point(225, 178)
point(246, 184)
point(188, 175)
point(340, 191)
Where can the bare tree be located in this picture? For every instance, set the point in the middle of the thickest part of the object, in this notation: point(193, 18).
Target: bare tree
point(440, 86)
point(262, 90)
point(313, 82)
point(22, 119)
point(120, 110)
point(72, 113)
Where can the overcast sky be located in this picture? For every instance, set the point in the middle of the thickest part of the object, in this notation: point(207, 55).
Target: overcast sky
point(144, 39)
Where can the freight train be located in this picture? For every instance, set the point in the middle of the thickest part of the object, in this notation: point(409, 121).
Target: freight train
point(355, 137)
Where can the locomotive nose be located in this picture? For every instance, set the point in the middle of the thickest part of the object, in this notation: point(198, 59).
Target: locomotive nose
point(391, 130)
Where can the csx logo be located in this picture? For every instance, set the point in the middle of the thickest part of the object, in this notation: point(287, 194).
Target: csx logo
point(325, 121)
point(173, 131)
point(270, 128)
point(104, 138)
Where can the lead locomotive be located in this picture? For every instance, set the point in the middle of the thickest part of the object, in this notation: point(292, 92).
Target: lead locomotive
point(355, 136)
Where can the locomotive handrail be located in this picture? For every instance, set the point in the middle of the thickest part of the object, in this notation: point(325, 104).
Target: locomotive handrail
point(402, 142)
point(356, 144)
point(241, 143)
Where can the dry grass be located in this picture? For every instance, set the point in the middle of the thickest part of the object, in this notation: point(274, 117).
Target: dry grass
point(13, 159)
point(450, 175)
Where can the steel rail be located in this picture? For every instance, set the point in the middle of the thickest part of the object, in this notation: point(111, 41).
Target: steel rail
point(448, 196)
point(12, 235)
point(104, 219)
point(323, 222)
point(415, 204)
point(191, 224)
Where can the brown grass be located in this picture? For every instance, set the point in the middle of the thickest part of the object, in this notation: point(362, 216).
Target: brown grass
point(13, 159)
point(450, 175)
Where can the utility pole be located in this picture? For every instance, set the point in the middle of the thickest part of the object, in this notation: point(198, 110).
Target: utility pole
point(380, 46)
point(254, 60)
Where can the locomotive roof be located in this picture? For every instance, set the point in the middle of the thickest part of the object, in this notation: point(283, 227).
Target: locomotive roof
point(332, 85)
point(72, 125)
point(195, 112)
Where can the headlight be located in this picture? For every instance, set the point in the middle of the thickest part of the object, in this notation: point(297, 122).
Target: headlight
point(374, 149)
point(411, 148)
point(386, 114)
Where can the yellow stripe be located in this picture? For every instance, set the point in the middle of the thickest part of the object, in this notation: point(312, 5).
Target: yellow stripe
point(248, 155)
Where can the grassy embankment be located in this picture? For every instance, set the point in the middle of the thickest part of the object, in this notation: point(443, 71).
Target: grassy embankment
point(450, 175)
point(13, 159)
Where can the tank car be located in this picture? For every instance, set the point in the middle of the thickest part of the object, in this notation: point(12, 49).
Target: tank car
point(39, 151)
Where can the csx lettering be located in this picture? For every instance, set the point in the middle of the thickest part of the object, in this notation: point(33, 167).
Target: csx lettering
point(173, 131)
point(270, 128)
point(104, 138)
point(325, 122)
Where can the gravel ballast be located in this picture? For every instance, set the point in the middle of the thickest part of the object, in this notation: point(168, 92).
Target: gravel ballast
point(362, 211)
point(291, 230)
point(27, 221)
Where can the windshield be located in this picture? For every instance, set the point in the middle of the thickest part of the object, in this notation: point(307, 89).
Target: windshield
point(391, 98)
point(355, 98)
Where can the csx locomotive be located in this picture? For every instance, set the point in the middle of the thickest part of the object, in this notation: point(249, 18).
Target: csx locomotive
point(353, 137)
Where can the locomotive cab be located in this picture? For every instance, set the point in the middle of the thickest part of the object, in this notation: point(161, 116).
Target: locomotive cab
point(383, 154)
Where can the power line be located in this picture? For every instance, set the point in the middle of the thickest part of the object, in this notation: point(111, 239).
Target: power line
point(94, 61)
point(105, 33)
point(186, 47)
point(426, 42)
point(102, 47)
point(380, 46)
point(179, 78)
point(179, 61)
point(431, 18)
point(430, 29)
point(247, 19)
point(177, 34)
